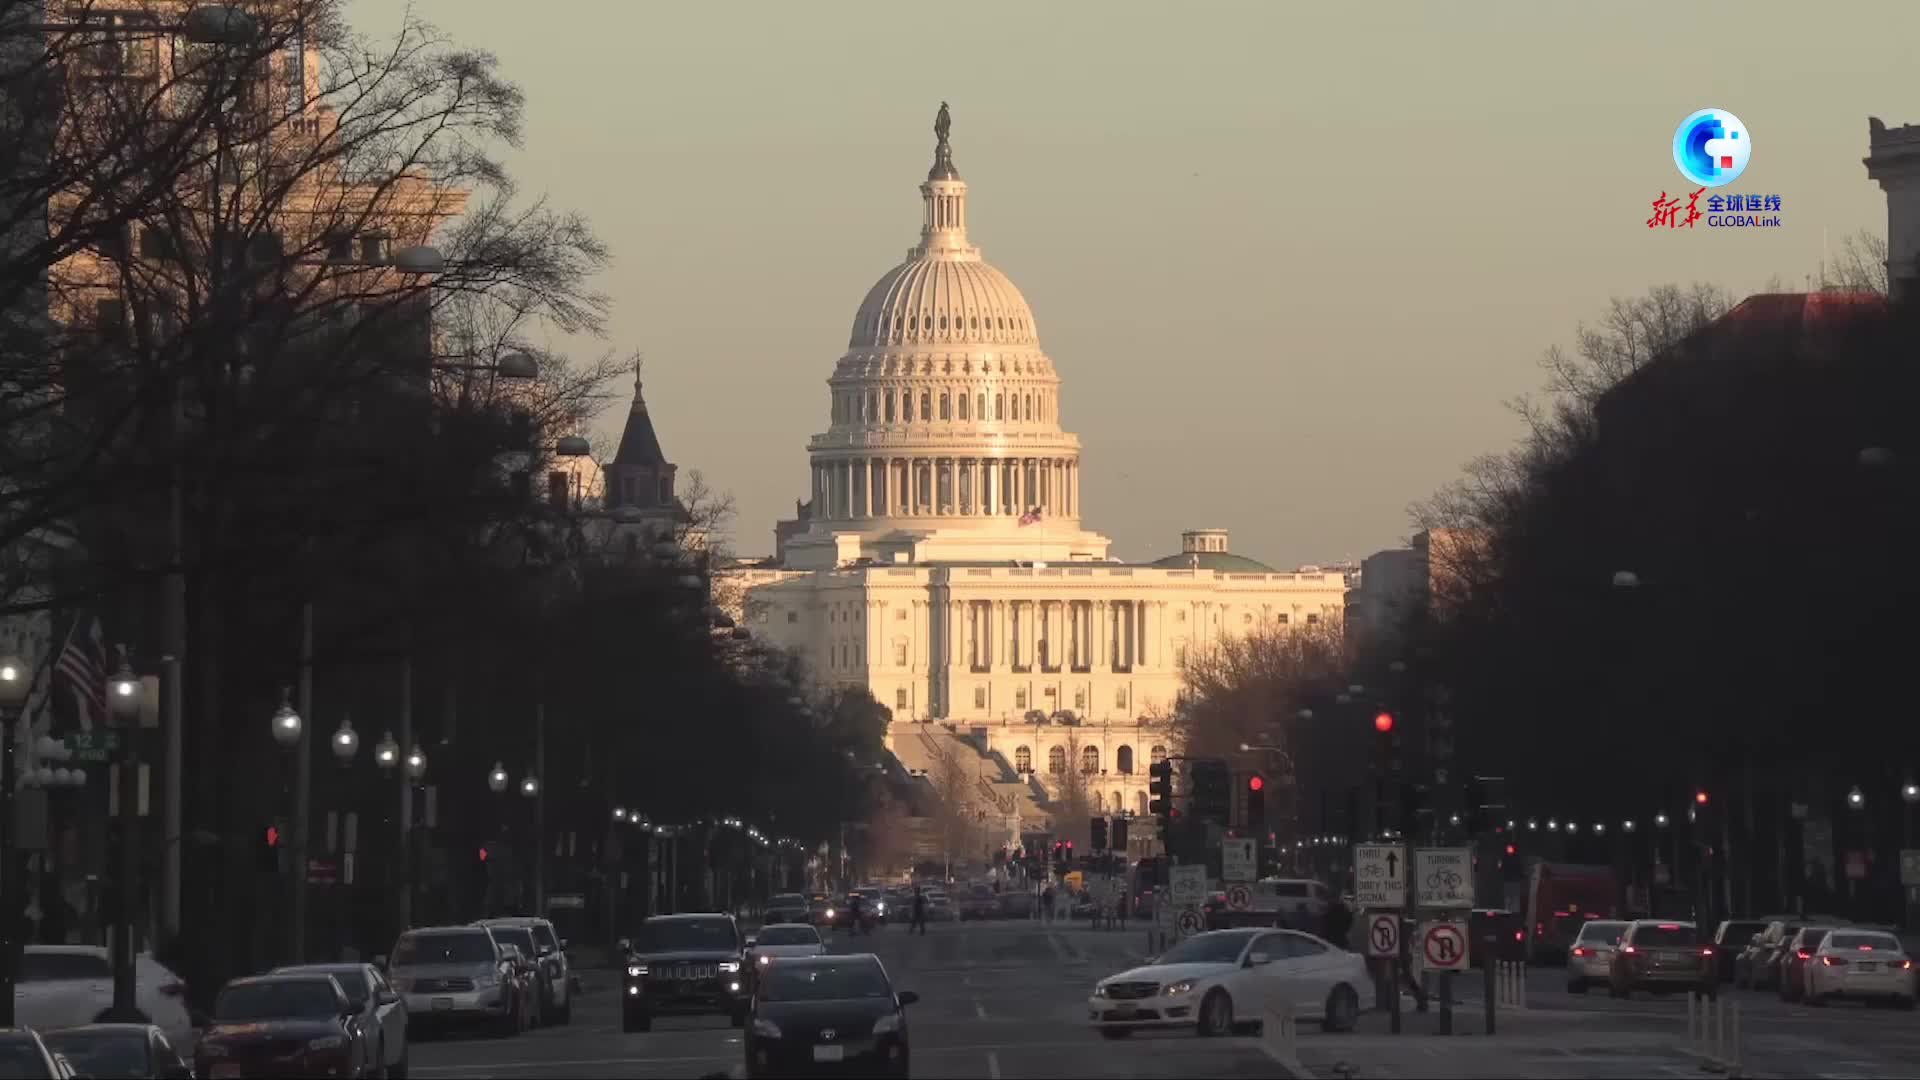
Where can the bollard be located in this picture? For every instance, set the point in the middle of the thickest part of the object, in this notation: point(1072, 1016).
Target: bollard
point(1693, 1032)
point(1733, 1043)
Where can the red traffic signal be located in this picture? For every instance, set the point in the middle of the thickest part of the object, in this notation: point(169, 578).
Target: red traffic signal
point(273, 836)
point(1255, 783)
point(1700, 797)
point(1511, 850)
point(1383, 722)
point(483, 853)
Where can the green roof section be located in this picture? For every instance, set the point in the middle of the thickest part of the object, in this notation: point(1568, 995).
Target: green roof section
point(1223, 561)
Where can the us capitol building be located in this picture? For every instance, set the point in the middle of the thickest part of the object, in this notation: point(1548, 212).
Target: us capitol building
point(940, 560)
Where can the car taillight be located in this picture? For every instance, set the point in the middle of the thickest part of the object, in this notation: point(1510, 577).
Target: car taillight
point(1519, 935)
point(1578, 951)
point(1833, 961)
point(1707, 951)
point(1802, 954)
point(1906, 965)
point(1628, 949)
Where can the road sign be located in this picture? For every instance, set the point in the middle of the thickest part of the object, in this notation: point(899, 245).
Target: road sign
point(1383, 936)
point(1189, 886)
point(1443, 877)
point(1909, 867)
point(94, 746)
point(1237, 859)
point(1380, 875)
point(1443, 945)
point(1239, 897)
point(1190, 922)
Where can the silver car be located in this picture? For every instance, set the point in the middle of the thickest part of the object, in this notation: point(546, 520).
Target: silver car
point(550, 954)
point(1590, 958)
point(454, 974)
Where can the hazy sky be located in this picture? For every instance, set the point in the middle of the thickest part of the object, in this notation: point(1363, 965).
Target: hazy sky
point(1289, 258)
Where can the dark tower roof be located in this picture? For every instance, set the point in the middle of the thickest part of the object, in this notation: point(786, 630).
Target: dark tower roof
point(639, 444)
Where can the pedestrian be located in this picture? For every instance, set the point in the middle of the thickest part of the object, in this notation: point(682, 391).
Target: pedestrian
point(919, 912)
point(1339, 925)
point(853, 912)
point(1412, 984)
point(1046, 904)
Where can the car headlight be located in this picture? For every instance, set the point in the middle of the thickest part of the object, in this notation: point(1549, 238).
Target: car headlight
point(1100, 990)
point(328, 1042)
point(766, 1029)
point(887, 1024)
point(1184, 986)
point(829, 913)
point(634, 971)
point(763, 960)
point(729, 966)
point(486, 982)
point(401, 983)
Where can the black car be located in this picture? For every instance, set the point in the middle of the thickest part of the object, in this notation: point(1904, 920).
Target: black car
point(684, 965)
point(115, 1050)
point(828, 1015)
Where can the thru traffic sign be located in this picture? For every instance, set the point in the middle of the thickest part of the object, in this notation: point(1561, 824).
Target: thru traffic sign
point(1443, 945)
point(1237, 859)
point(1380, 875)
point(1383, 936)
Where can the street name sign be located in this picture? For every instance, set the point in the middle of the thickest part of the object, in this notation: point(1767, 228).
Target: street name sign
point(1380, 875)
point(1443, 945)
point(1443, 877)
point(1383, 936)
point(1237, 859)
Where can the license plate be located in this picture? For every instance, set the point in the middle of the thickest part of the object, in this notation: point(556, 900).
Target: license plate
point(1868, 967)
point(221, 1072)
point(1123, 1012)
point(829, 1053)
point(442, 1004)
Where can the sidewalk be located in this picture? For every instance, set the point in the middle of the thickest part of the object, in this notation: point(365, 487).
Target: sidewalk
point(1526, 1045)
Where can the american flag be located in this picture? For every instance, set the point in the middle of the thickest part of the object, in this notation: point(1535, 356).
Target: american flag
point(1031, 517)
point(83, 667)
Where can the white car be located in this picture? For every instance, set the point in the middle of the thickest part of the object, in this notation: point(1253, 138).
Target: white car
point(63, 986)
point(1214, 981)
point(784, 940)
point(1868, 964)
point(1590, 960)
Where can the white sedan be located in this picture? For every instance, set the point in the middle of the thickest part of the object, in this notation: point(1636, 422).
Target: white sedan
point(1217, 980)
point(784, 940)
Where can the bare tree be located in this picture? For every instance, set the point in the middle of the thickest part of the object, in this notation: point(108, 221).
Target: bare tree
point(1250, 689)
point(954, 810)
point(1859, 266)
point(1070, 798)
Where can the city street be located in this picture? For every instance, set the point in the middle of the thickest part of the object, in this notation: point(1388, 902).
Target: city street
point(996, 1000)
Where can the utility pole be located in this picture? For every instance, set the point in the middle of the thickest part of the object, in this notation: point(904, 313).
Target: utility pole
point(540, 809)
point(405, 898)
point(302, 792)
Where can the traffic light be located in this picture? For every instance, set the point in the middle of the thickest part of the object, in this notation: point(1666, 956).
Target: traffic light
point(1160, 787)
point(1097, 834)
point(269, 851)
point(1383, 722)
point(1257, 803)
point(1700, 797)
point(1212, 791)
point(1120, 834)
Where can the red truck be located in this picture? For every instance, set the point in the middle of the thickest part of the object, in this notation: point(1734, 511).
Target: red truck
point(1563, 897)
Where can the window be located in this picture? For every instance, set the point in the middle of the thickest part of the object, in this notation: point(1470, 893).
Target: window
point(1080, 698)
point(793, 616)
point(979, 697)
point(1123, 761)
point(963, 406)
point(926, 405)
point(1282, 617)
point(1120, 697)
point(945, 410)
point(1020, 698)
point(999, 406)
point(1090, 759)
point(1023, 760)
point(1141, 804)
point(1057, 760)
point(900, 615)
point(900, 698)
point(982, 411)
point(1313, 620)
point(1179, 656)
point(899, 654)
point(1099, 802)
point(1156, 755)
point(889, 401)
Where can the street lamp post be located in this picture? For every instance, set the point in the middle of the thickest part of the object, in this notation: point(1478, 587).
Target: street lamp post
point(14, 681)
point(123, 701)
point(289, 731)
point(345, 835)
point(534, 790)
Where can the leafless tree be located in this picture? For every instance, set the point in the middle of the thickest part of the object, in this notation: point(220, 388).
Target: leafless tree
point(1859, 266)
point(1250, 689)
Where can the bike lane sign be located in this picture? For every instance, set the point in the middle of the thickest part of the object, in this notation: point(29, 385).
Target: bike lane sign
point(1443, 877)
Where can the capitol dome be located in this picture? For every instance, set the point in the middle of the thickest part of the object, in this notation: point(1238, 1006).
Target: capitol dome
point(943, 298)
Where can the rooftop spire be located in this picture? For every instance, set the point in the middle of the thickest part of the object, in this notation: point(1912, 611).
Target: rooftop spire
point(942, 152)
point(639, 445)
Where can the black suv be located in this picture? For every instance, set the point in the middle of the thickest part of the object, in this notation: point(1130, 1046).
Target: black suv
point(685, 965)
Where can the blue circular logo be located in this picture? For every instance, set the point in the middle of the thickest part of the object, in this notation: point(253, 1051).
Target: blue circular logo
point(1712, 147)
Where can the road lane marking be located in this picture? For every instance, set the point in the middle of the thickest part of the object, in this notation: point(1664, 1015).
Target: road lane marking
point(980, 1010)
point(993, 1065)
point(560, 1063)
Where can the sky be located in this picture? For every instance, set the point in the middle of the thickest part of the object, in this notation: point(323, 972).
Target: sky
point(1291, 260)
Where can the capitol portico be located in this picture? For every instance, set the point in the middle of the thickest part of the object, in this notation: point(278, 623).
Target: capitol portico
point(940, 561)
